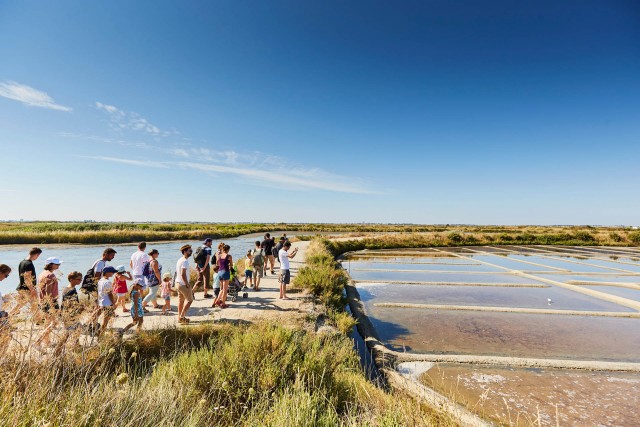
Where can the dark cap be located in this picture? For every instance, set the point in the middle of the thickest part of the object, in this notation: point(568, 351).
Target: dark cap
point(109, 269)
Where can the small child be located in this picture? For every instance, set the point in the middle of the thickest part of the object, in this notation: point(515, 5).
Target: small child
point(248, 270)
point(120, 286)
point(70, 303)
point(166, 293)
point(137, 313)
point(216, 283)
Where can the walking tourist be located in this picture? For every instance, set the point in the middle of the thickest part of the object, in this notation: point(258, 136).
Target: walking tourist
point(94, 274)
point(70, 302)
point(166, 293)
point(48, 285)
point(106, 300)
point(120, 286)
point(216, 283)
point(138, 260)
point(202, 258)
point(268, 248)
point(258, 265)
point(27, 276)
point(185, 294)
point(285, 274)
point(225, 262)
point(137, 312)
point(153, 277)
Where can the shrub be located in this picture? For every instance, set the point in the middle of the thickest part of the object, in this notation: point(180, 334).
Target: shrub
point(634, 236)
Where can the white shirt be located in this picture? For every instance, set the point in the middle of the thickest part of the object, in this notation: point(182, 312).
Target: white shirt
point(99, 266)
point(137, 262)
point(284, 259)
point(104, 289)
point(183, 264)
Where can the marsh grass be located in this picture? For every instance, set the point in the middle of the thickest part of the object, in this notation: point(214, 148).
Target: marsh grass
point(125, 232)
point(262, 374)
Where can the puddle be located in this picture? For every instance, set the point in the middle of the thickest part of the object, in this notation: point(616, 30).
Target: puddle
point(551, 397)
point(561, 299)
point(508, 334)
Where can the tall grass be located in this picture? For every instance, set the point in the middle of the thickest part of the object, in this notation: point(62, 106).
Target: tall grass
point(263, 374)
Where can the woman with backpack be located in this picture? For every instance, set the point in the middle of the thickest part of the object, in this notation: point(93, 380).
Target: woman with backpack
point(153, 278)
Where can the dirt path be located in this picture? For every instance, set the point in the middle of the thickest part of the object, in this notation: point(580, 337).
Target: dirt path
point(264, 304)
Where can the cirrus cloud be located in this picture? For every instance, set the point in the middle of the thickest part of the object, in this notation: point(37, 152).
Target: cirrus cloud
point(29, 96)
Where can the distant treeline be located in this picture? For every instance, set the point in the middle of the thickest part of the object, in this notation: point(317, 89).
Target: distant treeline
point(412, 235)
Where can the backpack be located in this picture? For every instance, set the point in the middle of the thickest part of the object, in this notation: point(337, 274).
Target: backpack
point(200, 256)
point(88, 281)
point(274, 252)
point(258, 258)
point(149, 274)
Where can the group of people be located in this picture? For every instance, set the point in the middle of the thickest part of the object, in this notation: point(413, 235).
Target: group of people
point(104, 288)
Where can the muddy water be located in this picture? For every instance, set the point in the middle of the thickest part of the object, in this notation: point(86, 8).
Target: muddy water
point(553, 397)
point(508, 334)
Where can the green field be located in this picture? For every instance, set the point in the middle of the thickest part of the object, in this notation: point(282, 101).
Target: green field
point(437, 235)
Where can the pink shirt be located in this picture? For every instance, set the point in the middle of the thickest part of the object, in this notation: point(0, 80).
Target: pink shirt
point(48, 285)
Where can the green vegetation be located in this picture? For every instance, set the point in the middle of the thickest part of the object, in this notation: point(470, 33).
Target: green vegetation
point(125, 232)
point(542, 236)
point(263, 374)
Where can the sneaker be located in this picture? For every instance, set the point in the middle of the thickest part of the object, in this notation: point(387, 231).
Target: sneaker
point(208, 296)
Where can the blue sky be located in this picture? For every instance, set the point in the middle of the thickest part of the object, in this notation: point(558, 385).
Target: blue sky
point(488, 112)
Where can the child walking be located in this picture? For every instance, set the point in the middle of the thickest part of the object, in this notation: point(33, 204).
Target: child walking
point(216, 283)
point(120, 286)
point(248, 270)
point(137, 313)
point(166, 293)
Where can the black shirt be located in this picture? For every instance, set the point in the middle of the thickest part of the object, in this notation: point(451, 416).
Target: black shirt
point(268, 245)
point(25, 266)
point(69, 297)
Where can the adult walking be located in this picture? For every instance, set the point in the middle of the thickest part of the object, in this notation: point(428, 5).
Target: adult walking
point(285, 275)
point(279, 246)
point(268, 251)
point(48, 285)
point(225, 262)
point(202, 258)
point(153, 280)
point(27, 276)
point(94, 274)
point(138, 260)
point(258, 265)
point(185, 294)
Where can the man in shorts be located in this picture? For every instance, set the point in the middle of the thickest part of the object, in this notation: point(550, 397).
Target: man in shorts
point(285, 275)
point(268, 248)
point(185, 294)
point(138, 259)
point(258, 265)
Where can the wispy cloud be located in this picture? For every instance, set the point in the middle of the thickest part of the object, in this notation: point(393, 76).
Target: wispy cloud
point(29, 96)
point(127, 120)
point(148, 163)
point(94, 138)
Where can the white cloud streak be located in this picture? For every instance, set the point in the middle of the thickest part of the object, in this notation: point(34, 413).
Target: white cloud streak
point(120, 120)
point(29, 96)
point(147, 163)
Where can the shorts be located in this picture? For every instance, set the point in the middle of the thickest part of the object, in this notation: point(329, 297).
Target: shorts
point(224, 275)
point(185, 292)
point(248, 274)
point(258, 272)
point(216, 292)
point(121, 294)
point(167, 298)
point(285, 277)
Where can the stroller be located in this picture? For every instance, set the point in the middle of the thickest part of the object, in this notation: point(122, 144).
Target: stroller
point(235, 286)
